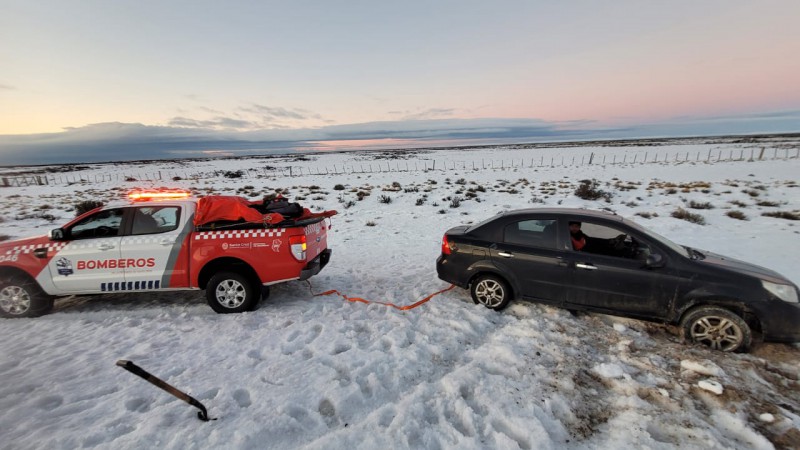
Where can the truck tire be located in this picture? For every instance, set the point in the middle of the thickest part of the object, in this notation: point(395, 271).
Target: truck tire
point(22, 297)
point(231, 292)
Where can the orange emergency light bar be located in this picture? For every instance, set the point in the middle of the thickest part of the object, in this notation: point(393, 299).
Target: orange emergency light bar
point(158, 194)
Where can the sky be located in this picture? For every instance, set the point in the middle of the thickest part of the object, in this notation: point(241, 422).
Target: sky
point(97, 80)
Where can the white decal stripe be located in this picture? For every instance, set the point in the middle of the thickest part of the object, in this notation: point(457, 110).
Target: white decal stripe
point(239, 234)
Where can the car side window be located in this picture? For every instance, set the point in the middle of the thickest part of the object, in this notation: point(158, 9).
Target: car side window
point(610, 241)
point(155, 219)
point(104, 223)
point(532, 233)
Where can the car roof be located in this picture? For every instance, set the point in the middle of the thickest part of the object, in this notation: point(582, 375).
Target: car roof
point(571, 212)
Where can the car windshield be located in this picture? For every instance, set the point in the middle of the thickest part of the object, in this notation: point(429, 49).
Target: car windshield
point(662, 240)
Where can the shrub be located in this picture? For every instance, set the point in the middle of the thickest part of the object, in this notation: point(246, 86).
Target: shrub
point(697, 205)
point(768, 203)
point(682, 214)
point(442, 211)
point(4, 237)
point(646, 215)
point(420, 201)
point(370, 224)
point(588, 190)
point(783, 215)
point(349, 204)
point(385, 199)
point(338, 187)
point(233, 174)
point(752, 192)
point(176, 178)
point(455, 202)
point(736, 215)
point(130, 179)
point(738, 203)
point(86, 205)
point(361, 194)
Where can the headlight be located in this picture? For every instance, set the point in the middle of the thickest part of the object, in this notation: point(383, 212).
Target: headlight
point(785, 292)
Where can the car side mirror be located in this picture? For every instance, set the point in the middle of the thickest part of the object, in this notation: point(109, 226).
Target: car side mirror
point(654, 260)
point(56, 235)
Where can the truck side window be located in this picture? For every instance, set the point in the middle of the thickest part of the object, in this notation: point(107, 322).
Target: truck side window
point(104, 223)
point(151, 219)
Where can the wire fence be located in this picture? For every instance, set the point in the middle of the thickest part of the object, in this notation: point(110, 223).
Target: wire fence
point(372, 167)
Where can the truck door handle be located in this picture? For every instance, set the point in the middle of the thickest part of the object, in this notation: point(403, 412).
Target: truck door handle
point(505, 254)
point(585, 266)
point(106, 246)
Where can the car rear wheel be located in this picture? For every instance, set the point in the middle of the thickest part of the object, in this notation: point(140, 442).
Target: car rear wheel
point(22, 297)
point(717, 328)
point(491, 291)
point(230, 292)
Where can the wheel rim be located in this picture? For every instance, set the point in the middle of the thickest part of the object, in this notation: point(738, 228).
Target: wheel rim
point(14, 300)
point(490, 293)
point(717, 332)
point(230, 293)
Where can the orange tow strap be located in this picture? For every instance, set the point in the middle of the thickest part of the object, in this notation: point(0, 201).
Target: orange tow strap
point(361, 300)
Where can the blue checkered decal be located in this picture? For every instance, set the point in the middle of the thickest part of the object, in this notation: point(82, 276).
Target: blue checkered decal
point(130, 286)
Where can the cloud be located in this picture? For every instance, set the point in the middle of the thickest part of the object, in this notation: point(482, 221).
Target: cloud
point(5, 87)
point(186, 137)
point(217, 123)
point(431, 113)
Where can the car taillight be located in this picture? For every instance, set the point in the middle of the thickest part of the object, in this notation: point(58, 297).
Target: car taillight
point(298, 246)
point(445, 246)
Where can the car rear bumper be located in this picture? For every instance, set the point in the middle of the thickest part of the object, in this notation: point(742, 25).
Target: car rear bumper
point(450, 273)
point(317, 264)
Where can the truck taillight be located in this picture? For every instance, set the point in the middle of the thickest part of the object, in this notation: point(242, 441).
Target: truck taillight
point(298, 246)
point(445, 246)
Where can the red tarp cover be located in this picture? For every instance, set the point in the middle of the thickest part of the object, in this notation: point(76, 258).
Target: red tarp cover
point(216, 208)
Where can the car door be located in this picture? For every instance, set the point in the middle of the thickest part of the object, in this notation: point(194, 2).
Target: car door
point(151, 248)
point(610, 274)
point(529, 251)
point(90, 259)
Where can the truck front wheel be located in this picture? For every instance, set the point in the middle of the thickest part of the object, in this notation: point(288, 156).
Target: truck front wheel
point(230, 292)
point(22, 297)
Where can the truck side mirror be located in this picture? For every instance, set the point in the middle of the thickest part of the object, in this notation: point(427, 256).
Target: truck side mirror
point(654, 260)
point(56, 235)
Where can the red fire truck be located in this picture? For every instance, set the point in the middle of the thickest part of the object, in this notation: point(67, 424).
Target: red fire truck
point(166, 240)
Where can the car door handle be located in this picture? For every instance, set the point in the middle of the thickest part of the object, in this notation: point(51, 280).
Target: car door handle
point(585, 266)
point(166, 242)
point(505, 254)
point(106, 246)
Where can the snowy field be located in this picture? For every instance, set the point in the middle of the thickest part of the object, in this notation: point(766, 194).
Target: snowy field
point(320, 372)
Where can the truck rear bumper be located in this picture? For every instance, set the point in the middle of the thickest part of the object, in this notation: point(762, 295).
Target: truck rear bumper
point(313, 267)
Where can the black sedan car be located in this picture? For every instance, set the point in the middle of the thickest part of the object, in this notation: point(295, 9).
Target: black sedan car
point(597, 261)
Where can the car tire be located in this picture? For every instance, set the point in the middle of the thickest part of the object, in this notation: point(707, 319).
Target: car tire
point(231, 292)
point(491, 291)
point(717, 328)
point(22, 297)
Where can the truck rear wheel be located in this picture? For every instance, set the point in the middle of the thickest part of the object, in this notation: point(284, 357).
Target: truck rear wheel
point(231, 292)
point(22, 297)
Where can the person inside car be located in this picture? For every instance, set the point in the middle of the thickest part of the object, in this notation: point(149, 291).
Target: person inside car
point(577, 236)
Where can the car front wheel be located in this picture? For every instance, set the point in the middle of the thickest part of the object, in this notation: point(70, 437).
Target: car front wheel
point(22, 297)
point(717, 328)
point(491, 292)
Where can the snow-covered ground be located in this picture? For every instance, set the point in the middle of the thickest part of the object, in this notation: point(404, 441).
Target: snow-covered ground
point(320, 372)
